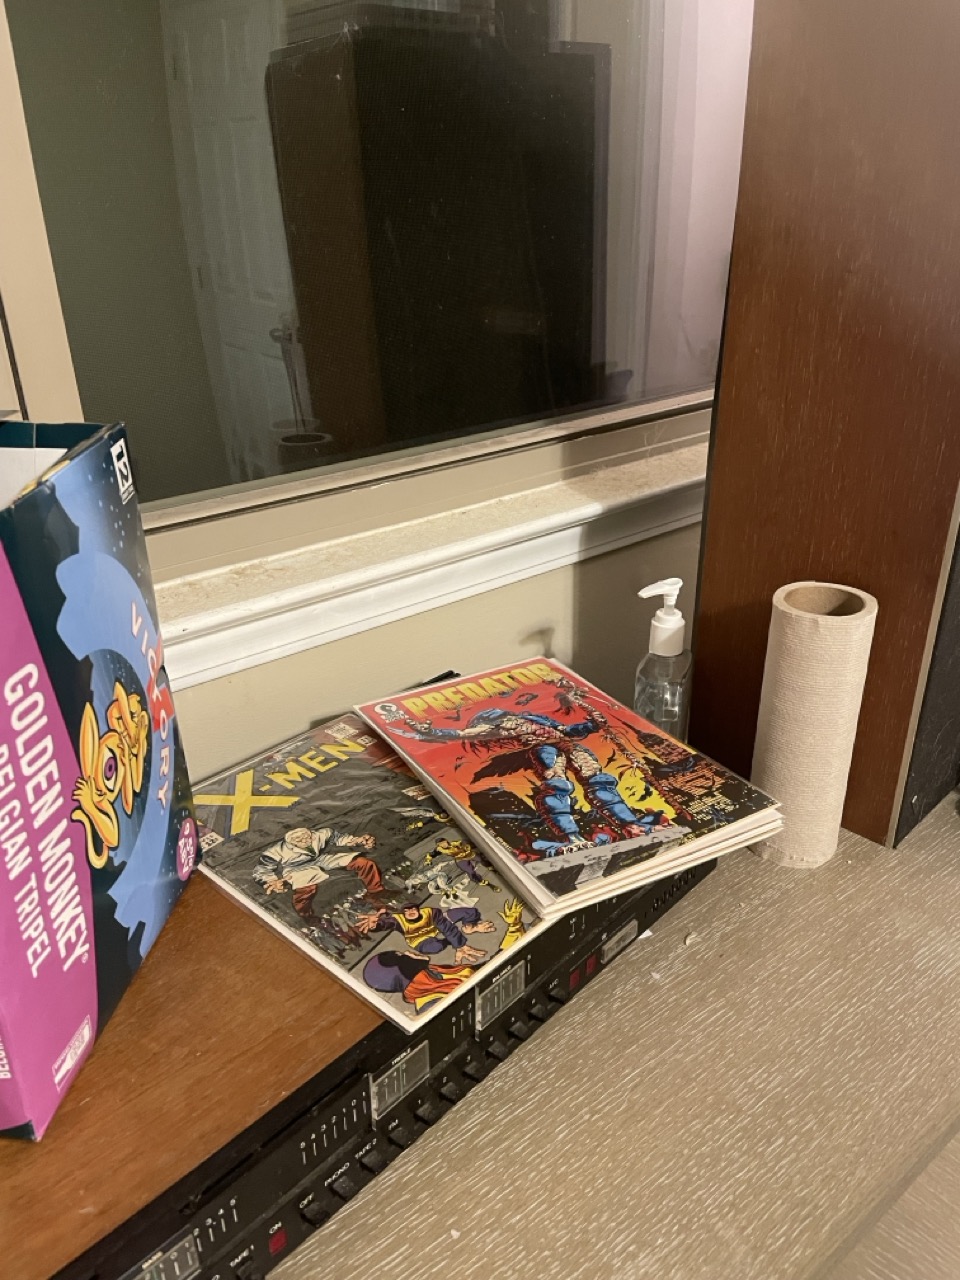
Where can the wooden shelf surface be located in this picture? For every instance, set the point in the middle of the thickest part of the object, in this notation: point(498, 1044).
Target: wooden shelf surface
point(223, 1021)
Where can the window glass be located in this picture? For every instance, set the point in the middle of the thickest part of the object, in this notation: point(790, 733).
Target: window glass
point(291, 234)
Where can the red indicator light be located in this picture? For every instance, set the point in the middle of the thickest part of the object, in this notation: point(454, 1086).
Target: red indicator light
point(277, 1242)
point(591, 965)
point(574, 979)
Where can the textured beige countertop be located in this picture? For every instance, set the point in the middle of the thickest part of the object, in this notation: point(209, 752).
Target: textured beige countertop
point(767, 1087)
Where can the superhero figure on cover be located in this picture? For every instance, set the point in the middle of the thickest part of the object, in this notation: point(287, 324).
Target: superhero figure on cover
point(552, 748)
point(451, 889)
point(428, 930)
point(449, 871)
point(303, 859)
point(419, 979)
point(464, 855)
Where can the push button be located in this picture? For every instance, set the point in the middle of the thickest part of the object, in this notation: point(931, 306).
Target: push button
point(498, 1049)
point(452, 1090)
point(374, 1160)
point(401, 1137)
point(539, 1011)
point(277, 1242)
point(249, 1270)
point(519, 1029)
point(429, 1111)
point(558, 995)
point(314, 1214)
point(344, 1187)
point(476, 1070)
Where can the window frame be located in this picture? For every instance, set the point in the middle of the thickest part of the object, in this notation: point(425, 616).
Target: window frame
point(11, 396)
point(34, 328)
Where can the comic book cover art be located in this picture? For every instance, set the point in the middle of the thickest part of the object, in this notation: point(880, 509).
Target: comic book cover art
point(334, 840)
point(566, 781)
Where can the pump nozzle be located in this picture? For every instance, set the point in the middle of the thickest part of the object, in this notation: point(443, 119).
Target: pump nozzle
point(667, 627)
point(669, 588)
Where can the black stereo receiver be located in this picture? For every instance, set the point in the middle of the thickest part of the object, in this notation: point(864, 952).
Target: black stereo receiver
point(241, 1212)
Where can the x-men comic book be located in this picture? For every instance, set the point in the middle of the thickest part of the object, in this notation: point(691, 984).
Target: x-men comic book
point(333, 840)
point(574, 796)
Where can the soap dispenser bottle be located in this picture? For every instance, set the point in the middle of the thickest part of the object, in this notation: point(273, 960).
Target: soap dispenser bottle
point(663, 677)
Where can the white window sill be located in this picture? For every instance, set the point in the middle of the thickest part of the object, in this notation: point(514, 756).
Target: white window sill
point(234, 617)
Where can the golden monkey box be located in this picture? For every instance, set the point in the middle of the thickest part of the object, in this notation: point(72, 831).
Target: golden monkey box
point(97, 836)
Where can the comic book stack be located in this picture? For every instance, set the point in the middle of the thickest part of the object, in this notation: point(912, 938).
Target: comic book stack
point(573, 796)
point(410, 860)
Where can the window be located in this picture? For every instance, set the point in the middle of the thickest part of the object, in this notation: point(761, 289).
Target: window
point(296, 237)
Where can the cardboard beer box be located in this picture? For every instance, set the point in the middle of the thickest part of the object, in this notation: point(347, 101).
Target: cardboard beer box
point(97, 835)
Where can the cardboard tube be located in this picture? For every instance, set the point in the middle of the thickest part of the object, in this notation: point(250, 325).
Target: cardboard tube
point(817, 654)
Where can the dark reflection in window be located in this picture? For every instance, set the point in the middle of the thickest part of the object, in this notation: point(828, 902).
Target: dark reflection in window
point(288, 234)
point(443, 187)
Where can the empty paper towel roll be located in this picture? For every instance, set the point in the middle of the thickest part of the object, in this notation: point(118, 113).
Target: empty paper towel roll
point(817, 654)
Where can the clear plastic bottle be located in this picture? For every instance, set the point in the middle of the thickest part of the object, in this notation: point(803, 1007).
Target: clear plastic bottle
point(662, 688)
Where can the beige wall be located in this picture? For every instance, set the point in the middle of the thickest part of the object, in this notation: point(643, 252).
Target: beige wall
point(586, 615)
point(94, 91)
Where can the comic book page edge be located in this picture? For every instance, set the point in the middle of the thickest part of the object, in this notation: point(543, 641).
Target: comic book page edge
point(651, 875)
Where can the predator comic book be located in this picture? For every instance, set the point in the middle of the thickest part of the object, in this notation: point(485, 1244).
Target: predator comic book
point(332, 840)
point(574, 796)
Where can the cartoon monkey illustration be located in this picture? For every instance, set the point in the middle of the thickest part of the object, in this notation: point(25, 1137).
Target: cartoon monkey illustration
point(111, 768)
point(127, 717)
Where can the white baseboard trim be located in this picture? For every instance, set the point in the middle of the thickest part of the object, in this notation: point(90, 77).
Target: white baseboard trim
point(294, 610)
